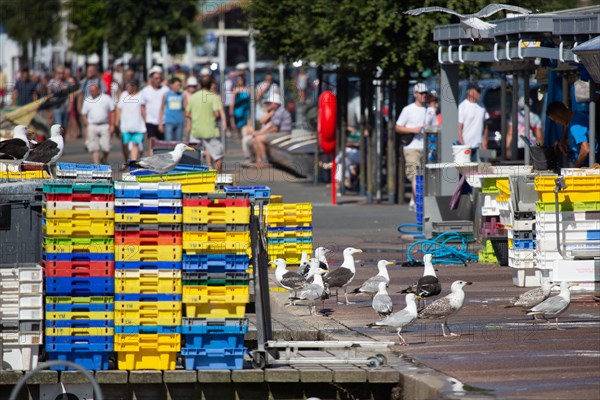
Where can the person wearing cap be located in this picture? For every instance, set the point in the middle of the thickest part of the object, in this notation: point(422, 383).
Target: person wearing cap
point(472, 129)
point(276, 120)
point(151, 99)
point(575, 142)
point(535, 126)
point(409, 126)
point(202, 112)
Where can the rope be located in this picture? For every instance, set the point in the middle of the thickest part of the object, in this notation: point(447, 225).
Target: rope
point(405, 229)
point(442, 250)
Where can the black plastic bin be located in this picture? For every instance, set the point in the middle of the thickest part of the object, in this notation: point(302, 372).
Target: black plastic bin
point(500, 246)
point(543, 158)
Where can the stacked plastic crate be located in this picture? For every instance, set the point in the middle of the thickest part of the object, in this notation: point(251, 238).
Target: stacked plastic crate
point(419, 198)
point(289, 231)
point(148, 253)
point(78, 259)
point(216, 243)
point(21, 314)
point(579, 218)
point(490, 220)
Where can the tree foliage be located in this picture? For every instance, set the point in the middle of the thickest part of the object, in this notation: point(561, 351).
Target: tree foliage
point(360, 35)
point(126, 25)
point(30, 19)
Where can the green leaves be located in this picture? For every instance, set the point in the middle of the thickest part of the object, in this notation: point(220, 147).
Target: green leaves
point(29, 19)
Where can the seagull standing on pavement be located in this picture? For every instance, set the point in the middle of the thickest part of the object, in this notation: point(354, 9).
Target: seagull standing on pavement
point(428, 285)
point(554, 306)
point(289, 280)
point(382, 303)
point(473, 21)
point(446, 306)
point(400, 319)
point(344, 275)
point(371, 285)
point(313, 292)
point(532, 297)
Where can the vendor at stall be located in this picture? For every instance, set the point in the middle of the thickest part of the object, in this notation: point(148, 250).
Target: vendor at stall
point(576, 137)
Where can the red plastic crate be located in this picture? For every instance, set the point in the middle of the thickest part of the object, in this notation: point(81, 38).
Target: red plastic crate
point(76, 269)
point(149, 241)
point(120, 235)
point(79, 197)
point(216, 203)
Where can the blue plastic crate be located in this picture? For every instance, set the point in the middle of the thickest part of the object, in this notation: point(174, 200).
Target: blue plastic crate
point(65, 166)
point(289, 228)
point(80, 286)
point(89, 360)
point(52, 307)
point(135, 329)
point(213, 341)
point(289, 240)
point(255, 192)
point(196, 359)
point(147, 210)
point(148, 265)
point(231, 326)
point(81, 347)
point(79, 323)
point(216, 262)
point(78, 339)
point(147, 297)
point(131, 193)
point(82, 257)
point(593, 235)
point(419, 218)
point(524, 244)
point(180, 168)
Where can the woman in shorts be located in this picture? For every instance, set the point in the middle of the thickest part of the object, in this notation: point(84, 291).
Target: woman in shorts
point(129, 120)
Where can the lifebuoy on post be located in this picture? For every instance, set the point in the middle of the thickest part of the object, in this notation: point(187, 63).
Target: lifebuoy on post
point(326, 121)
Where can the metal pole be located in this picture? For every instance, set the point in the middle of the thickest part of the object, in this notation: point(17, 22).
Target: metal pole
point(316, 169)
point(105, 56)
point(251, 68)
point(361, 144)
point(378, 138)
point(527, 111)
point(281, 68)
point(392, 159)
point(515, 121)
point(593, 118)
point(343, 123)
point(148, 55)
point(503, 124)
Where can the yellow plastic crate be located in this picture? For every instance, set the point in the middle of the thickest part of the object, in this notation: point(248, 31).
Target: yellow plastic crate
point(148, 285)
point(580, 189)
point(133, 252)
point(221, 243)
point(503, 187)
point(122, 218)
point(291, 234)
point(216, 215)
point(24, 175)
point(146, 274)
point(276, 199)
point(79, 228)
point(289, 249)
point(146, 359)
point(149, 316)
point(79, 245)
point(78, 214)
point(158, 342)
point(292, 214)
point(198, 188)
point(79, 300)
point(215, 301)
point(503, 198)
point(80, 331)
point(80, 315)
point(196, 177)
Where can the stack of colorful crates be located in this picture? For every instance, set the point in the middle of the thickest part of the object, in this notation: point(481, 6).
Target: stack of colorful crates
point(216, 246)
point(21, 314)
point(419, 199)
point(78, 260)
point(490, 220)
point(579, 216)
point(148, 253)
point(289, 231)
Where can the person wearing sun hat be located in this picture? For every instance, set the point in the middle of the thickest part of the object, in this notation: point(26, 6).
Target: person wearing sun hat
point(276, 120)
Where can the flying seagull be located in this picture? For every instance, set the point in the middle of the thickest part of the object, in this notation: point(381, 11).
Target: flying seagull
point(428, 285)
point(17, 148)
point(400, 319)
point(344, 275)
point(162, 163)
point(49, 151)
point(554, 306)
point(289, 280)
point(371, 285)
point(532, 297)
point(446, 306)
point(382, 303)
point(472, 21)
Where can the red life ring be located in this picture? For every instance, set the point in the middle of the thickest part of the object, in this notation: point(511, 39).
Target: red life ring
point(326, 121)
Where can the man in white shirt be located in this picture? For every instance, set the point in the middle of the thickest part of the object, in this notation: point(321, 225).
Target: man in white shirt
point(98, 115)
point(151, 98)
point(410, 123)
point(472, 130)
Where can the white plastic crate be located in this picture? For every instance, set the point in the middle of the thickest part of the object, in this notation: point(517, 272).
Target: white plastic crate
point(522, 264)
point(568, 226)
point(521, 254)
point(579, 171)
point(23, 338)
point(20, 357)
point(566, 236)
point(490, 206)
point(31, 300)
point(567, 216)
point(31, 313)
point(576, 270)
point(545, 245)
point(527, 277)
point(148, 202)
point(30, 273)
point(9, 287)
point(224, 179)
point(79, 205)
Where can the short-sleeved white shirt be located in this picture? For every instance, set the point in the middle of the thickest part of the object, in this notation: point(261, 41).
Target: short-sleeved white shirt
point(131, 113)
point(97, 110)
point(412, 116)
point(152, 99)
point(472, 116)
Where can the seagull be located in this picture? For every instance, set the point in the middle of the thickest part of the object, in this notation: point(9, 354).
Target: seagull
point(319, 255)
point(49, 151)
point(287, 279)
point(17, 148)
point(304, 266)
point(313, 292)
point(371, 285)
point(161, 163)
point(472, 21)
point(554, 306)
point(446, 306)
point(382, 303)
point(532, 297)
point(428, 285)
point(341, 277)
point(313, 267)
point(400, 319)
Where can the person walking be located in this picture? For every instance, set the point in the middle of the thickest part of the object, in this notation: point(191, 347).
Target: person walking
point(302, 85)
point(171, 118)
point(413, 118)
point(98, 116)
point(130, 122)
point(203, 112)
point(239, 108)
point(575, 142)
point(472, 130)
point(151, 100)
point(24, 91)
point(60, 114)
